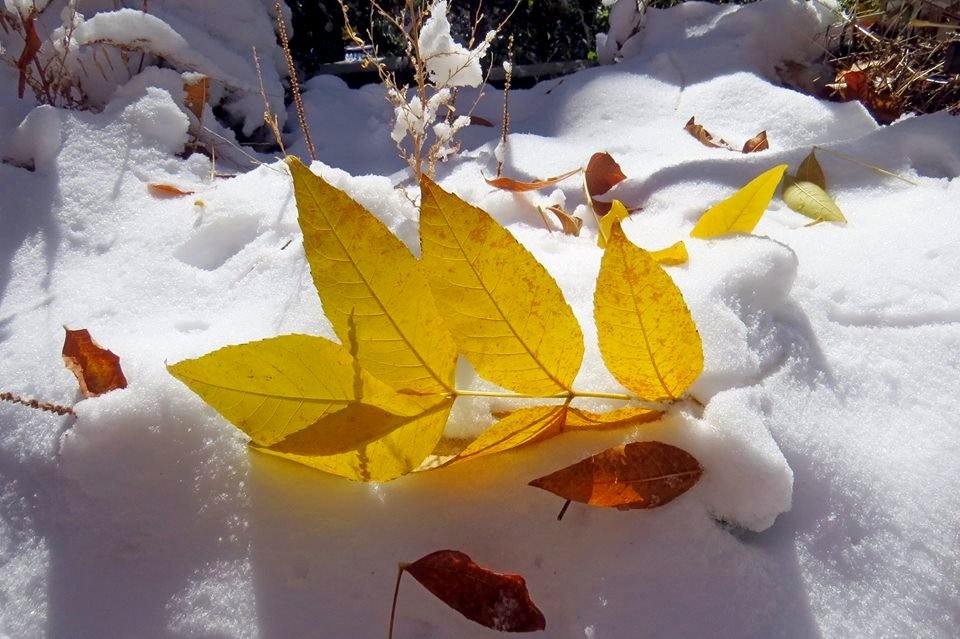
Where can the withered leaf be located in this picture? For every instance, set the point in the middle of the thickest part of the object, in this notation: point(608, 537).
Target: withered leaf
point(97, 369)
point(811, 171)
point(496, 600)
point(601, 175)
point(166, 190)
point(703, 136)
point(756, 143)
point(196, 93)
point(636, 475)
point(517, 186)
point(31, 47)
point(571, 225)
point(476, 120)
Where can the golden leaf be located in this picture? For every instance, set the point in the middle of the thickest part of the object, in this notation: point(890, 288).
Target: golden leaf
point(523, 426)
point(740, 212)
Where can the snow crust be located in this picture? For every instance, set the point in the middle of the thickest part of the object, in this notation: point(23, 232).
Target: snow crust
point(829, 432)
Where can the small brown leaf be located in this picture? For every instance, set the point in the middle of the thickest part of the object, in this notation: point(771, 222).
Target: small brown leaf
point(97, 369)
point(516, 186)
point(703, 136)
point(811, 171)
point(601, 175)
point(495, 600)
point(637, 475)
point(476, 120)
point(196, 93)
point(165, 191)
point(571, 225)
point(31, 47)
point(756, 143)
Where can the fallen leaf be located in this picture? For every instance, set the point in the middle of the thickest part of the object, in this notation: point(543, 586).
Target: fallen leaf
point(617, 214)
point(647, 336)
point(166, 190)
point(524, 426)
point(601, 175)
point(374, 291)
point(97, 370)
point(496, 600)
point(517, 186)
point(756, 143)
point(319, 377)
point(507, 315)
point(740, 212)
point(196, 93)
point(568, 223)
point(633, 476)
point(673, 255)
point(811, 171)
point(703, 136)
point(31, 47)
point(809, 199)
point(476, 120)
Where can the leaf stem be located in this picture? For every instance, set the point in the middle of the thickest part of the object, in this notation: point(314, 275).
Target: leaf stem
point(396, 591)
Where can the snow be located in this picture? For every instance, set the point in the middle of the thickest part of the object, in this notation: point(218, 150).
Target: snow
point(448, 63)
point(829, 433)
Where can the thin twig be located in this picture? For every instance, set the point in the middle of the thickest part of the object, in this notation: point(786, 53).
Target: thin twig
point(294, 82)
point(32, 403)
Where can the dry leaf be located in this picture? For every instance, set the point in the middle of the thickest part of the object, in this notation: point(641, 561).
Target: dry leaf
point(740, 212)
point(476, 120)
point(196, 93)
point(30, 49)
point(96, 369)
point(637, 475)
point(516, 186)
point(756, 143)
point(703, 136)
point(166, 190)
point(496, 600)
point(811, 171)
point(601, 175)
point(570, 224)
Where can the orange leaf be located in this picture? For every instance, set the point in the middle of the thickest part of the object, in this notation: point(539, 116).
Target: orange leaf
point(196, 94)
point(756, 143)
point(703, 136)
point(166, 190)
point(97, 369)
point(31, 47)
point(516, 186)
point(601, 175)
point(637, 475)
point(496, 600)
point(571, 225)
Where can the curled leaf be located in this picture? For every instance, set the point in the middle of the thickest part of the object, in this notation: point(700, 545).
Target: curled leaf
point(703, 136)
point(617, 214)
point(570, 224)
point(756, 143)
point(517, 186)
point(97, 370)
point(601, 175)
point(166, 190)
point(740, 212)
point(31, 47)
point(809, 199)
point(633, 476)
point(496, 600)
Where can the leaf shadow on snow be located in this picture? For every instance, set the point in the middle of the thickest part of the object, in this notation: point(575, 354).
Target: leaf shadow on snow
point(325, 554)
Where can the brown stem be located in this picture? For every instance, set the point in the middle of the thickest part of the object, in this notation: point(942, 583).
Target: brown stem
point(396, 593)
point(32, 403)
point(294, 82)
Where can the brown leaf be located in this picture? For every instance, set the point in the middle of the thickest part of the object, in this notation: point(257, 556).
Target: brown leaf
point(516, 186)
point(756, 143)
point(31, 47)
point(166, 190)
point(196, 93)
point(601, 175)
point(637, 475)
point(476, 120)
point(571, 225)
point(703, 136)
point(495, 600)
point(97, 369)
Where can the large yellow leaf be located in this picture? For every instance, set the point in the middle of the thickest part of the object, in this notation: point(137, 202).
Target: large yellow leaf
point(506, 314)
point(524, 426)
point(373, 289)
point(407, 442)
point(275, 387)
point(740, 212)
point(647, 337)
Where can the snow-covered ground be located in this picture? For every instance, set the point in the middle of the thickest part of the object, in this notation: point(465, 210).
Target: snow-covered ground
point(830, 438)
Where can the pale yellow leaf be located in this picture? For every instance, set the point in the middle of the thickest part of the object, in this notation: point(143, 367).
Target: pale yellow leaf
point(407, 443)
point(647, 336)
point(741, 211)
point(523, 426)
point(809, 199)
point(506, 314)
point(372, 288)
point(275, 387)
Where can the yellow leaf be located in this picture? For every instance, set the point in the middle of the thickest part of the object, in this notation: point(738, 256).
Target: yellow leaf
point(506, 314)
point(373, 289)
point(647, 337)
point(578, 419)
point(809, 199)
point(740, 212)
point(275, 387)
point(672, 255)
point(520, 427)
point(617, 214)
point(407, 442)
point(810, 171)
